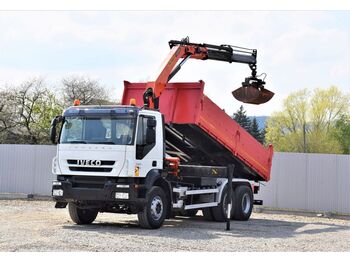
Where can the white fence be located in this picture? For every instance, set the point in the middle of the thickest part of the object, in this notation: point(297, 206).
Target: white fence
point(315, 182)
point(26, 169)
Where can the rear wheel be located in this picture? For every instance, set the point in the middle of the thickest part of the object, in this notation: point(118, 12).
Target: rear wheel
point(154, 213)
point(244, 203)
point(81, 216)
point(220, 211)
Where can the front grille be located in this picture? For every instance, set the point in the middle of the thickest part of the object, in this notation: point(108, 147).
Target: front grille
point(89, 182)
point(90, 169)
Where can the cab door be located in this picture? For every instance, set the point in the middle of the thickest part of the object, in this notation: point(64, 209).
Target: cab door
point(149, 144)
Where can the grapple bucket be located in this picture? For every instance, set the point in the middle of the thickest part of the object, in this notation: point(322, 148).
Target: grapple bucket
point(252, 95)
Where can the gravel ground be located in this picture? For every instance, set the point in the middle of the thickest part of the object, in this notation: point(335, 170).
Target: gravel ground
point(38, 226)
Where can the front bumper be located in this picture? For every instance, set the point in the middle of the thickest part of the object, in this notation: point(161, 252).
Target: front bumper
point(67, 191)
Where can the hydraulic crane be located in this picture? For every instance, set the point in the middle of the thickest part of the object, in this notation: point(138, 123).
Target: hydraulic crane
point(252, 90)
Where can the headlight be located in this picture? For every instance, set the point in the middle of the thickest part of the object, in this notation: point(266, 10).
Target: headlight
point(54, 165)
point(55, 168)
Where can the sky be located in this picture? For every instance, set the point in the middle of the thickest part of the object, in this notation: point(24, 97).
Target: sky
point(296, 49)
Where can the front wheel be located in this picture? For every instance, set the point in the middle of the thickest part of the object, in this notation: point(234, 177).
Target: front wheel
point(154, 213)
point(244, 203)
point(81, 216)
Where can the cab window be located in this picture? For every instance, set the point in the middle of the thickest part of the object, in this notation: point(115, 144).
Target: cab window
point(146, 136)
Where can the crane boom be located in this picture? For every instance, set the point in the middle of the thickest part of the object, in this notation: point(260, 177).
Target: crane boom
point(252, 90)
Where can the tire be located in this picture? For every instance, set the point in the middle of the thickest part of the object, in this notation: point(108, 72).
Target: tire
point(244, 203)
point(220, 211)
point(154, 213)
point(81, 216)
point(189, 213)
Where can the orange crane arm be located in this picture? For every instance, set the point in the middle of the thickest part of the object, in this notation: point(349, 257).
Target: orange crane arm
point(185, 50)
point(155, 88)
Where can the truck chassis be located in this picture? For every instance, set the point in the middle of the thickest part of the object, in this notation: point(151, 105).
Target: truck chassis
point(159, 196)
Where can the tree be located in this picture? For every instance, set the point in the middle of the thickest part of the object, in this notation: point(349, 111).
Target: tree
point(250, 126)
point(88, 91)
point(26, 96)
point(263, 134)
point(255, 131)
point(307, 121)
point(44, 111)
point(32, 106)
point(7, 112)
point(242, 119)
point(327, 106)
point(35, 108)
point(286, 129)
point(26, 109)
point(342, 132)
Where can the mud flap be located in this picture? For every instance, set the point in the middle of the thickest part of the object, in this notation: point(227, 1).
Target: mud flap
point(61, 204)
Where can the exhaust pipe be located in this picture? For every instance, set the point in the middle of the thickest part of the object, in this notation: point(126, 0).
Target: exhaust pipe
point(252, 91)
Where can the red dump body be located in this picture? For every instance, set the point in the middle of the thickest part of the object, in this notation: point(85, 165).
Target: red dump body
point(185, 103)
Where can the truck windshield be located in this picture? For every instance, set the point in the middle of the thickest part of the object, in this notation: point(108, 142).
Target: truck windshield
point(106, 130)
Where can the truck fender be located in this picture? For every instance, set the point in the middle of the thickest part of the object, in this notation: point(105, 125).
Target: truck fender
point(154, 177)
point(235, 183)
point(151, 177)
point(223, 183)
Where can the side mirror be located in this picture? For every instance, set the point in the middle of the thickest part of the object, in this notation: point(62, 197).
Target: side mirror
point(53, 131)
point(150, 136)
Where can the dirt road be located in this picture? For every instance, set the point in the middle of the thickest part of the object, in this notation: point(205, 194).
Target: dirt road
point(38, 226)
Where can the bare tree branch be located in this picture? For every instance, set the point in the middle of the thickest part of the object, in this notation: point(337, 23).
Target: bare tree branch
point(88, 91)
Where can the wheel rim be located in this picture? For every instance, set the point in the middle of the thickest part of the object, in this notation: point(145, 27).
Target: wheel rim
point(246, 203)
point(156, 208)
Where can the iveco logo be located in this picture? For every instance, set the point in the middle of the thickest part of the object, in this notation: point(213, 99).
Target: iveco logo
point(82, 162)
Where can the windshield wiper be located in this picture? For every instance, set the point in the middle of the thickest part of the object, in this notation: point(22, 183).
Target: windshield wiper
point(104, 142)
point(77, 142)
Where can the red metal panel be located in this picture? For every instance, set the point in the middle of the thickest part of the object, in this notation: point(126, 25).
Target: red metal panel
point(185, 103)
point(179, 102)
point(229, 133)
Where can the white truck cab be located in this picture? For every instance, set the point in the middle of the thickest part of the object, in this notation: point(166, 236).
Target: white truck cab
point(110, 141)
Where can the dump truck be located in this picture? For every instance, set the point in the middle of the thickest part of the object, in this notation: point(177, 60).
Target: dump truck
point(167, 150)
